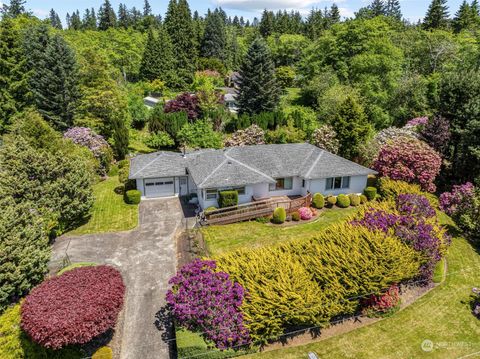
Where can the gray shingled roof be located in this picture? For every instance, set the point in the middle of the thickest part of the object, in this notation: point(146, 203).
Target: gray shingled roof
point(239, 166)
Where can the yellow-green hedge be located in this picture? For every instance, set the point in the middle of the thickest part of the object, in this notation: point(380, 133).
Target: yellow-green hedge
point(310, 282)
point(390, 189)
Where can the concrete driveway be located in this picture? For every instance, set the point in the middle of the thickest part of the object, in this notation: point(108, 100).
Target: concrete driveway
point(146, 257)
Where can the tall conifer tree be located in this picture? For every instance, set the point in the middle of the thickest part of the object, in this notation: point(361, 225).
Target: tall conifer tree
point(13, 74)
point(394, 9)
point(14, 9)
point(437, 15)
point(158, 62)
point(106, 16)
point(215, 37)
point(463, 18)
point(54, 84)
point(179, 26)
point(259, 90)
point(55, 20)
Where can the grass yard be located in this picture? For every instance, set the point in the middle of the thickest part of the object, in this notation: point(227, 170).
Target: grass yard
point(443, 316)
point(136, 144)
point(220, 239)
point(110, 213)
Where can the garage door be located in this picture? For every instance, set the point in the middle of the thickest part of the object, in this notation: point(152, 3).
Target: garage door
point(159, 187)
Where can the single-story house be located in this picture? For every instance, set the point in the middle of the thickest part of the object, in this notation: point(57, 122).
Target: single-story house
point(230, 98)
point(260, 171)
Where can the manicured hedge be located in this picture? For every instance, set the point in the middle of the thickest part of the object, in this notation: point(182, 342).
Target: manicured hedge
point(279, 215)
point(331, 201)
point(103, 353)
point(370, 193)
point(363, 199)
point(295, 216)
point(133, 196)
point(343, 201)
point(354, 199)
point(316, 277)
point(318, 201)
point(73, 308)
point(227, 199)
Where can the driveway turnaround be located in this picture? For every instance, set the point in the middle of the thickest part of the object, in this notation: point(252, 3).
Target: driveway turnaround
point(146, 257)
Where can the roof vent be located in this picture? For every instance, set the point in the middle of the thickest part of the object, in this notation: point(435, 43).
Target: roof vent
point(229, 162)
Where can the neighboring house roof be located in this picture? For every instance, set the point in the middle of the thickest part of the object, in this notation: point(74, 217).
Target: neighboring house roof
point(239, 166)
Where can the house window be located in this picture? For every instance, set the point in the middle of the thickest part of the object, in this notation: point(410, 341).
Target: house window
point(240, 190)
point(337, 183)
point(303, 183)
point(282, 184)
point(211, 193)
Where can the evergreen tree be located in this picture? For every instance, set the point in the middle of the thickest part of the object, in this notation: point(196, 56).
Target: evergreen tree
point(437, 15)
point(179, 26)
point(55, 20)
point(106, 16)
point(394, 9)
point(54, 84)
point(158, 62)
point(234, 54)
point(13, 74)
point(75, 22)
point(89, 20)
point(267, 24)
point(334, 14)
point(147, 9)
point(215, 37)
point(377, 8)
point(123, 16)
point(352, 127)
point(16, 8)
point(315, 24)
point(258, 88)
point(463, 18)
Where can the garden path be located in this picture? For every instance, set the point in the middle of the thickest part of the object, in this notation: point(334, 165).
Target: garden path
point(146, 256)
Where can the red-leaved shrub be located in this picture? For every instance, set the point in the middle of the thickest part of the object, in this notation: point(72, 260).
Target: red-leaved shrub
point(74, 307)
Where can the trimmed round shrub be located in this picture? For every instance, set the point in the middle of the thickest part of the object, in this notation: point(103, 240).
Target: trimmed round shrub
point(133, 196)
point(343, 201)
point(363, 199)
point(227, 199)
point(279, 215)
point(370, 193)
point(354, 199)
point(331, 201)
point(103, 353)
point(318, 201)
point(295, 216)
point(73, 308)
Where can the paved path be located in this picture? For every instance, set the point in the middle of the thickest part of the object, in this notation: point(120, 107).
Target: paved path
point(146, 257)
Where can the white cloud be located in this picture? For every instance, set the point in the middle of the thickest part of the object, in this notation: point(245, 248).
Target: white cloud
point(258, 5)
point(346, 12)
point(40, 13)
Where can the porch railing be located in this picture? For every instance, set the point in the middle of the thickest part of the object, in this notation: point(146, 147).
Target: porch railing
point(252, 210)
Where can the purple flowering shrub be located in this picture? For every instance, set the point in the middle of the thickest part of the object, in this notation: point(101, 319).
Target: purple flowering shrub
point(460, 196)
point(417, 122)
point(463, 205)
point(413, 220)
point(207, 301)
point(86, 137)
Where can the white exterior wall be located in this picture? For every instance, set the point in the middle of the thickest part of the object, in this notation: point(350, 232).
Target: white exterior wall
point(357, 185)
point(295, 191)
point(140, 187)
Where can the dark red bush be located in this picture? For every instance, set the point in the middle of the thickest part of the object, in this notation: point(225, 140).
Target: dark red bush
point(186, 102)
point(74, 307)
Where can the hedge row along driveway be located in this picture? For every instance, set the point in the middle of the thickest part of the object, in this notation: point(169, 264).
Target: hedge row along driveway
point(146, 257)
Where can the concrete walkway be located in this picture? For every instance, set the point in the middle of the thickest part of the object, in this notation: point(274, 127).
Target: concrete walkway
point(146, 257)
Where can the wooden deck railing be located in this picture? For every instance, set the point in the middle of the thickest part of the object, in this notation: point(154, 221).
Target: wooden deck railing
point(248, 211)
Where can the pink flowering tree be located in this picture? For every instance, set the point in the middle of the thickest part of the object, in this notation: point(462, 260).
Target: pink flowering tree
point(409, 160)
point(207, 301)
point(86, 137)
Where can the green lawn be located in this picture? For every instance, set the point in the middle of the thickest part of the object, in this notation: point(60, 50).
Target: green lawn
point(136, 144)
point(220, 239)
point(110, 213)
point(442, 316)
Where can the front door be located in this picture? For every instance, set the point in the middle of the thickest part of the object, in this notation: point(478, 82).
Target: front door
point(183, 184)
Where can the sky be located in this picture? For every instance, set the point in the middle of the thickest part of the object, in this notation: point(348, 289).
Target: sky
point(413, 10)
